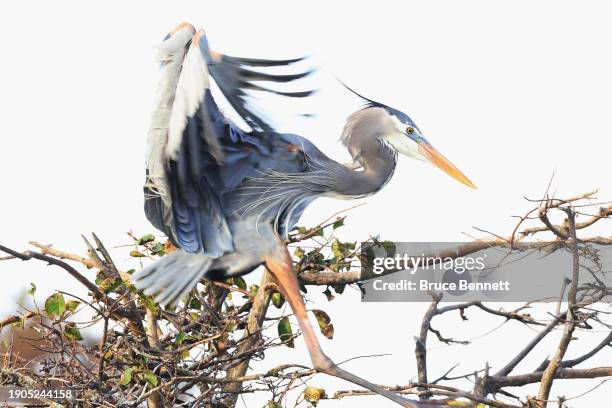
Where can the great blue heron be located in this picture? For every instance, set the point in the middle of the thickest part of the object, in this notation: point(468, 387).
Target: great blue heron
point(227, 197)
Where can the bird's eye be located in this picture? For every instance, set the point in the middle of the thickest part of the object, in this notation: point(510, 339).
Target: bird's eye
point(410, 130)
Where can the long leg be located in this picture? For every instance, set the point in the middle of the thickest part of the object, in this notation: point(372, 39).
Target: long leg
point(281, 266)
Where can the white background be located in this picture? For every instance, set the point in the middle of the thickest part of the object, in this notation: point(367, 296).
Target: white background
point(509, 92)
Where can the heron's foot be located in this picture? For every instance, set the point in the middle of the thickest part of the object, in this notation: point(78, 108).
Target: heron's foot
point(324, 364)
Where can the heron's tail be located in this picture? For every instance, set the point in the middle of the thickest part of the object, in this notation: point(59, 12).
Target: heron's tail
point(172, 276)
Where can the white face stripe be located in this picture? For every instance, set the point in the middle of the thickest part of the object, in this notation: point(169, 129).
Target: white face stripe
point(399, 139)
point(398, 125)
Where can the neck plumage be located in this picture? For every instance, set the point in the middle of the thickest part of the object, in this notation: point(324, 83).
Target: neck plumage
point(378, 164)
point(363, 137)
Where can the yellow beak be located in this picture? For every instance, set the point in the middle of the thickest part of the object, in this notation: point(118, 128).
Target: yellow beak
point(441, 162)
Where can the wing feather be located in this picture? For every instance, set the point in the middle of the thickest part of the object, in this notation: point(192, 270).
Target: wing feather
point(158, 203)
point(236, 75)
point(206, 156)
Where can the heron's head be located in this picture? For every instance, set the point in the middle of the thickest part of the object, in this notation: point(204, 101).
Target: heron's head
point(396, 129)
point(405, 136)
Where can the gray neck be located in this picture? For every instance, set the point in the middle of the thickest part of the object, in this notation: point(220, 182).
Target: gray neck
point(378, 161)
point(363, 137)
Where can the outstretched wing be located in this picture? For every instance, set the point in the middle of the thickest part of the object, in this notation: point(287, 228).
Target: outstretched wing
point(171, 54)
point(198, 137)
point(235, 75)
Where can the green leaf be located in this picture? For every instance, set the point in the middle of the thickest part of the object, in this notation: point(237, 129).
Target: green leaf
point(32, 289)
point(336, 249)
point(320, 232)
point(389, 248)
point(72, 332)
point(327, 329)
point(18, 324)
point(180, 337)
point(55, 305)
point(298, 253)
point(278, 299)
point(456, 403)
point(99, 279)
point(126, 377)
point(339, 288)
point(274, 404)
point(329, 295)
point(136, 254)
point(285, 333)
point(150, 378)
point(340, 249)
point(194, 303)
point(238, 281)
point(146, 238)
point(318, 262)
point(367, 256)
point(131, 271)
point(149, 303)
point(339, 223)
point(253, 289)
point(313, 394)
point(108, 285)
point(158, 249)
point(72, 305)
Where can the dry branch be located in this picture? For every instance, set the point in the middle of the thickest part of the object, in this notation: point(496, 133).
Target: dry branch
point(198, 353)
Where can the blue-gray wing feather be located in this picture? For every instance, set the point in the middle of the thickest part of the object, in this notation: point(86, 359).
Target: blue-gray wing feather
point(216, 159)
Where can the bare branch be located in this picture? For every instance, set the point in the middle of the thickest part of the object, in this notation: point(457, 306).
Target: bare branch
point(555, 362)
